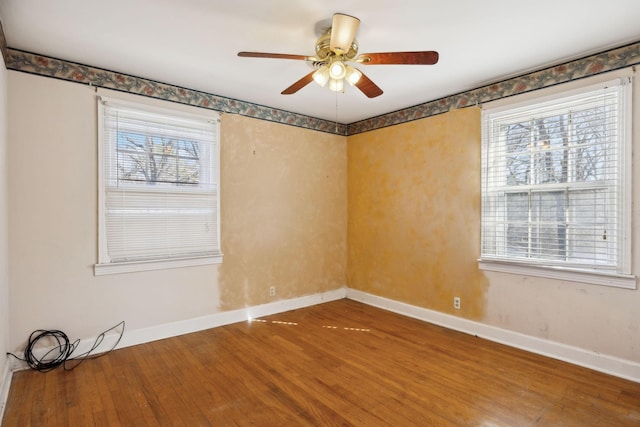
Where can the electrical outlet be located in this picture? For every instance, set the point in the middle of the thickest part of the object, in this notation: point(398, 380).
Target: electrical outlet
point(456, 303)
point(272, 291)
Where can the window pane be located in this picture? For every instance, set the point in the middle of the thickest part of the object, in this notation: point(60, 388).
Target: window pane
point(588, 207)
point(590, 246)
point(591, 145)
point(536, 225)
point(549, 225)
point(548, 241)
point(548, 206)
point(152, 159)
point(518, 240)
point(589, 237)
point(550, 149)
point(518, 139)
point(517, 205)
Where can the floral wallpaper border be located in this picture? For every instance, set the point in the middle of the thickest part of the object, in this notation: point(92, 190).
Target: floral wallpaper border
point(614, 59)
point(3, 45)
point(56, 68)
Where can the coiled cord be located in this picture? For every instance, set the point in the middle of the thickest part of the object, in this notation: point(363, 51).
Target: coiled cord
point(54, 357)
point(61, 352)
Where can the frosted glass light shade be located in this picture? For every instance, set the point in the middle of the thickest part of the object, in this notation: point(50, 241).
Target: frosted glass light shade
point(337, 70)
point(352, 75)
point(336, 85)
point(321, 76)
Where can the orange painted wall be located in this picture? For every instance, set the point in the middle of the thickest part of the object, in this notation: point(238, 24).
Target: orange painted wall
point(283, 211)
point(414, 212)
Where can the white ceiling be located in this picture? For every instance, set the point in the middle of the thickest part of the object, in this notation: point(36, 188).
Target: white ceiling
point(193, 43)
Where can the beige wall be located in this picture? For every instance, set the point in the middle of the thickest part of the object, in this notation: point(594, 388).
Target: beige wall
point(414, 212)
point(4, 240)
point(414, 221)
point(284, 211)
point(283, 219)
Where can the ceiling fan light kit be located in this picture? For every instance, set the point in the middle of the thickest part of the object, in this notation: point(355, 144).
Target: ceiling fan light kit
point(335, 49)
point(335, 74)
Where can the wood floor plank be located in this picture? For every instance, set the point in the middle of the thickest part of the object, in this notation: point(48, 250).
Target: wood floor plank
point(337, 364)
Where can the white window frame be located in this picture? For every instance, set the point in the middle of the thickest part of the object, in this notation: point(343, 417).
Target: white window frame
point(106, 265)
point(620, 276)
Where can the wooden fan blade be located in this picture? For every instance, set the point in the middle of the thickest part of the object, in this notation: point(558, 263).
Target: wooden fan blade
point(368, 87)
point(299, 84)
point(275, 56)
point(427, 57)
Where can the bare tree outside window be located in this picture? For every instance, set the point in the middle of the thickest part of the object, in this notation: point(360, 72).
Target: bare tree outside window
point(546, 218)
point(157, 159)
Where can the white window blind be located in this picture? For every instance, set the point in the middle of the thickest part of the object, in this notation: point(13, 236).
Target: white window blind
point(555, 181)
point(159, 176)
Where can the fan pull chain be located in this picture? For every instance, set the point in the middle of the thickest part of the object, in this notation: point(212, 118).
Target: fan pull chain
point(336, 111)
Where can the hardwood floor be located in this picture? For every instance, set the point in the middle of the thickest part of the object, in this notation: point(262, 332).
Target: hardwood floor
point(341, 363)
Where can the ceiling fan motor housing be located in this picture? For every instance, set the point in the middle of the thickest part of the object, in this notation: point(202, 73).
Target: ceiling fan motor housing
point(323, 50)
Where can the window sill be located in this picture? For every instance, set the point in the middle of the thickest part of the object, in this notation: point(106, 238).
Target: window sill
point(626, 281)
point(134, 266)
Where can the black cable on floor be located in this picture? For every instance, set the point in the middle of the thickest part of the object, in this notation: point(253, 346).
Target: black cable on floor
point(60, 354)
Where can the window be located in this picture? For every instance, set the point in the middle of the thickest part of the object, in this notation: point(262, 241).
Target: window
point(556, 187)
point(159, 188)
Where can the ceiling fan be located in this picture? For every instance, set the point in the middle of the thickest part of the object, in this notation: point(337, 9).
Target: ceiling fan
point(335, 49)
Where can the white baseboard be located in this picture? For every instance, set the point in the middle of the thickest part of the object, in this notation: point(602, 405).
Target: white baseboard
point(167, 330)
point(5, 385)
point(600, 362)
point(140, 336)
